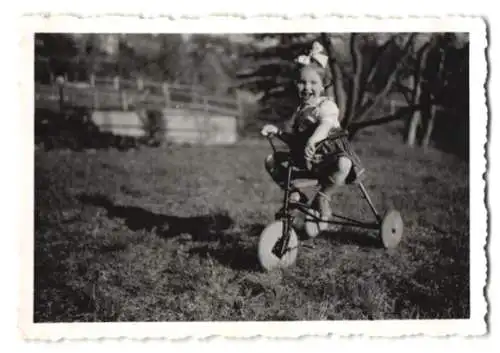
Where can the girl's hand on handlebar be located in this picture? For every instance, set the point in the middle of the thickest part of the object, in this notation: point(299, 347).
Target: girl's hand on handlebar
point(309, 151)
point(309, 155)
point(269, 129)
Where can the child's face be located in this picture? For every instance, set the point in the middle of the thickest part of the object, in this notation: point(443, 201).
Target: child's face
point(309, 85)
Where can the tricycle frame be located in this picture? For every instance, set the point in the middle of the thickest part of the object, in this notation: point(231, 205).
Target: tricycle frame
point(286, 216)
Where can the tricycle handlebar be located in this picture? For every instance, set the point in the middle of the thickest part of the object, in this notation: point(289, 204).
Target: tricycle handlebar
point(270, 139)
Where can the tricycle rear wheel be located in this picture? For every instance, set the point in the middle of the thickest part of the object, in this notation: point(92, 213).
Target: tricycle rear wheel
point(391, 229)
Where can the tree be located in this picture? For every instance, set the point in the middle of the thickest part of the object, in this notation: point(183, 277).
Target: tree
point(214, 61)
point(269, 71)
point(364, 67)
point(438, 85)
point(365, 78)
point(53, 54)
point(422, 76)
point(418, 90)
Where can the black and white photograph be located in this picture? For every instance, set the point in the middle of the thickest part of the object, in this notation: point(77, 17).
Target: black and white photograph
point(253, 176)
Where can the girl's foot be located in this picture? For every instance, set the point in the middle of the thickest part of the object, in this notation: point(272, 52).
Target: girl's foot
point(322, 205)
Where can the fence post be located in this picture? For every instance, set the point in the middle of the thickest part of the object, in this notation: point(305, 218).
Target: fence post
point(96, 98)
point(241, 121)
point(206, 119)
point(60, 85)
point(166, 94)
point(194, 95)
point(95, 93)
point(116, 83)
point(140, 84)
point(124, 101)
point(392, 106)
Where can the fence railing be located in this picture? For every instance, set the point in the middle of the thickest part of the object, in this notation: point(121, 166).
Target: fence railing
point(105, 93)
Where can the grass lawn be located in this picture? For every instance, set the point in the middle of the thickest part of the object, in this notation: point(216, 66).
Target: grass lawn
point(171, 234)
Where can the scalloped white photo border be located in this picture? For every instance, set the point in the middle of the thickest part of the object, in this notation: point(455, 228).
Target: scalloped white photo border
point(475, 325)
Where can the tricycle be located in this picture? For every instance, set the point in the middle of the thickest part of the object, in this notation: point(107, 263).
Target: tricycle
point(279, 242)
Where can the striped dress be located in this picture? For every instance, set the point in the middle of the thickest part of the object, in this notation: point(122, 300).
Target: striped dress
point(301, 127)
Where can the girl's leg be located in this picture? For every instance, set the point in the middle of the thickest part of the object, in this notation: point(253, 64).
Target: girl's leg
point(336, 178)
point(275, 168)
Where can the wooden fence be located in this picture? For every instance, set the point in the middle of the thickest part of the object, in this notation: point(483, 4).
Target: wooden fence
point(127, 95)
point(118, 106)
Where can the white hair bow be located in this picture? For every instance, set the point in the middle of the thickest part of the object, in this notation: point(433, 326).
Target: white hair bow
point(316, 54)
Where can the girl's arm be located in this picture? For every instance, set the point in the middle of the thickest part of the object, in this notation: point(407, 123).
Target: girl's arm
point(285, 134)
point(329, 118)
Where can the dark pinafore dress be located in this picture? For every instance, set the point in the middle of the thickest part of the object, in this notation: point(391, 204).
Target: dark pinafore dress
point(305, 121)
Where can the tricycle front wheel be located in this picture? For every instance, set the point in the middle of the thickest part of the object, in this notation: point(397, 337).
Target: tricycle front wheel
point(271, 236)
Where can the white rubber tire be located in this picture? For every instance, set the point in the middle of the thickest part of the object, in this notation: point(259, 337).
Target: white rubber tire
point(268, 238)
point(391, 229)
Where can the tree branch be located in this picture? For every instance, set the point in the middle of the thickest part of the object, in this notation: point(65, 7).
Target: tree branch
point(357, 61)
point(373, 68)
point(421, 60)
point(376, 59)
point(337, 76)
point(340, 95)
point(399, 114)
point(407, 92)
point(355, 127)
point(368, 107)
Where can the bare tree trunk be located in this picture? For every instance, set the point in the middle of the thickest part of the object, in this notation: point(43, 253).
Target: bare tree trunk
point(337, 77)
point(357, 61)
point(429, 127)
point(432, 111)
point(413, 126)
point(416, 118)
point(340, 94)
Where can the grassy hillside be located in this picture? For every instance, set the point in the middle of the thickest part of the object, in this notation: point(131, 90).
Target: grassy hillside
point(171, 234)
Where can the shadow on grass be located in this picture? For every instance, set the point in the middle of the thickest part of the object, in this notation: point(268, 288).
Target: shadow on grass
point(432, 296)
point(200, 228)
point(440, 288)
point(238, 258)
point(363, 239)
point(237, 254)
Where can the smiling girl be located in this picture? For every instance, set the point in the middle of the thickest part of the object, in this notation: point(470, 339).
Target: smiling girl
point(317, 142)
